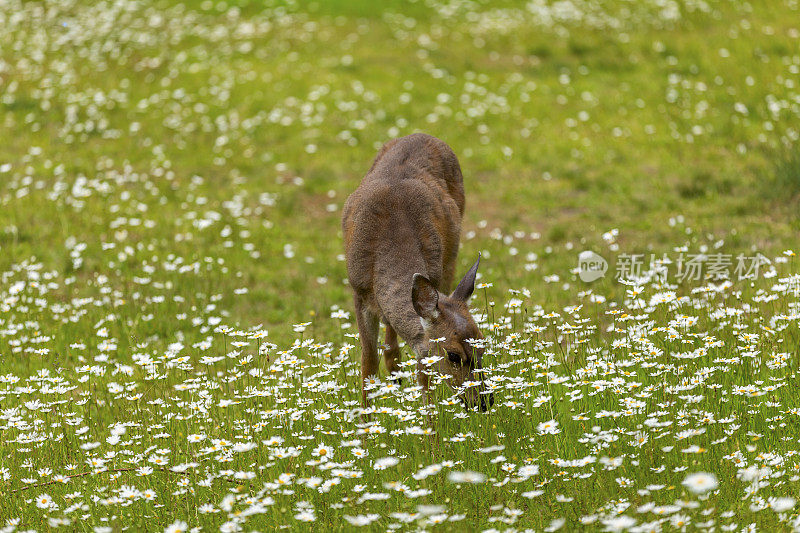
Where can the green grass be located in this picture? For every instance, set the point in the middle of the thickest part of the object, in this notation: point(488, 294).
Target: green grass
point(170, 171)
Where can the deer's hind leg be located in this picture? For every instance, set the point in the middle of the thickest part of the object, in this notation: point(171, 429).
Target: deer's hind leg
point(368, 323)
point(391, 352)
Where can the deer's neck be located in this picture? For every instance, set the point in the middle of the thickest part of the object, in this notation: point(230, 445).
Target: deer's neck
point(393, 294)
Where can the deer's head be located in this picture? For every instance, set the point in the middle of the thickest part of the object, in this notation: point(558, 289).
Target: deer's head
point(448, 318)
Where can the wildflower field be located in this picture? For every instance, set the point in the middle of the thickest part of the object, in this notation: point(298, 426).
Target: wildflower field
point(177, 345)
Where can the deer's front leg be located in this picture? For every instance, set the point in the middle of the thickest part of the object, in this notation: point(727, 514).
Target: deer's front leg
point(391, 353)
point(423, 379)
point(368, 332)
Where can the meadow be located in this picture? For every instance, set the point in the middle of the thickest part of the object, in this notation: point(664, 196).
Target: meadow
point(177, 345)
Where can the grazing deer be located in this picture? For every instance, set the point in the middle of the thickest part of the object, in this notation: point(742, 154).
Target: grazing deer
point(401, 231)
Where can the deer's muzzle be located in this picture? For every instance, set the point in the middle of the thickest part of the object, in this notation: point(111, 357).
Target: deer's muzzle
point(484, 406)
point(475, 397)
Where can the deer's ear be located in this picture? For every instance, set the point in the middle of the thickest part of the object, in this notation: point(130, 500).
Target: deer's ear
point(467, 283)
point(424, 297)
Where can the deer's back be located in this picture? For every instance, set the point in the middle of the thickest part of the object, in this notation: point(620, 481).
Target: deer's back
point(406, 212)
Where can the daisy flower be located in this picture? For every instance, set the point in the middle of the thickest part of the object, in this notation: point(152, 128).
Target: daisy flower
point(700, 482)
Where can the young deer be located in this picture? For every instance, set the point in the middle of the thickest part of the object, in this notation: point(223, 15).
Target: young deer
point(401, 231)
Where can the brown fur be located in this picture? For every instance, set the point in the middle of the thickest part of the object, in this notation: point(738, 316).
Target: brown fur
point(405, 219)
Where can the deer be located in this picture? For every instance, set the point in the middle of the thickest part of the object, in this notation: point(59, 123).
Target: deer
point(401, 229)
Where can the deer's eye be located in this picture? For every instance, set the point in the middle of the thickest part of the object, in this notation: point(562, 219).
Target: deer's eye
point(454, 358)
